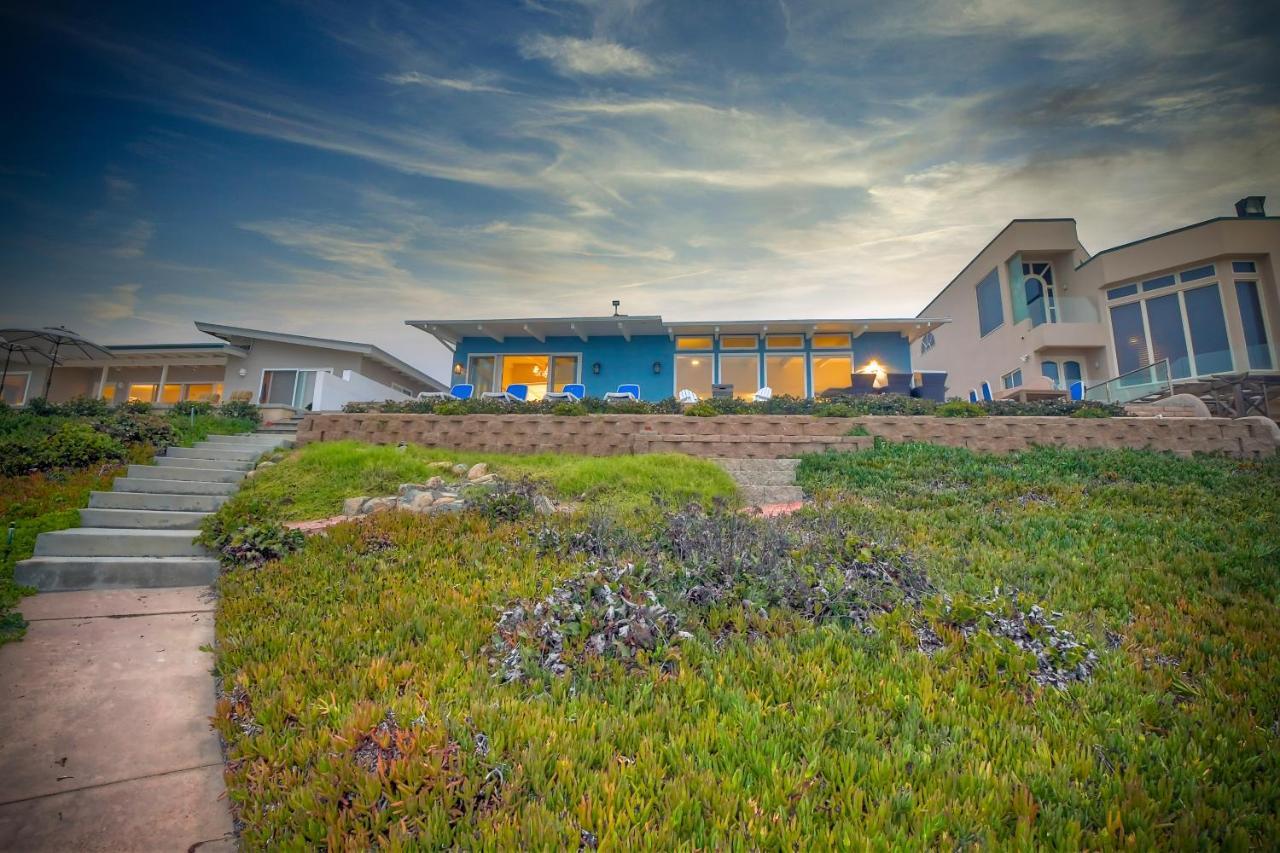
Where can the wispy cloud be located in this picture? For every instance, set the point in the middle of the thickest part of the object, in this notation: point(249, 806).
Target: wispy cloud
point(119, 303)
point(416, 78)
point(134, 239)
point(595, 57)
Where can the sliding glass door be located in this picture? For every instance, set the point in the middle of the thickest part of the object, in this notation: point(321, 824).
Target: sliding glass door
point(541, 372)
point(295, 388)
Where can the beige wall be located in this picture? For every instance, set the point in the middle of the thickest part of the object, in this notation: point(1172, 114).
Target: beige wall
point(269, 355)
point(969, 360)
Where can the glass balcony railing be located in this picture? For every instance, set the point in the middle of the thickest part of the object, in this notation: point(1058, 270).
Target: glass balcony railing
point(1133, 385)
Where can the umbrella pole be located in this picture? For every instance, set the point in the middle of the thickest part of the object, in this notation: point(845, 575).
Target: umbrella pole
point(53, 362)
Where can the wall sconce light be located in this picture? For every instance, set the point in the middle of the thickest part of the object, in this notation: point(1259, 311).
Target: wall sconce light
point(657, 367)
point(242, 372)
point(457, 369)
point(595, 368)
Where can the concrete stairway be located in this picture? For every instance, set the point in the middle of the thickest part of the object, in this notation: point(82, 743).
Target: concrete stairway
point(287, 427)
point(764, 481)
point(142, 533)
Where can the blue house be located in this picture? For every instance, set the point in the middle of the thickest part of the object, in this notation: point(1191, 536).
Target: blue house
point(801, 358)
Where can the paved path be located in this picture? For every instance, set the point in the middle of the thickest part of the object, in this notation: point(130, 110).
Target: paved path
point(105, 741)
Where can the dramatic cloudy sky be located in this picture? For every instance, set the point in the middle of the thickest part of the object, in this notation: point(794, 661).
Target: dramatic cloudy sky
point(336, 168)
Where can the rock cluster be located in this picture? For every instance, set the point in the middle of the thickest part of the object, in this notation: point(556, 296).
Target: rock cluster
point(437, 494)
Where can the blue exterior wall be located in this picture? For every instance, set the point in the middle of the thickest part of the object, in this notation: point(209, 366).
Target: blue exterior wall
point(623, 361)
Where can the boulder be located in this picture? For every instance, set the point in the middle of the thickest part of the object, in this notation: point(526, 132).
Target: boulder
point(477, 471)
point(407, 497)
point(441, 466)
point(435, 483)
point(351, 506)
point(460, 468)
point(378, 505)
point(422, 502)
point(543, 505)
point(484, 481)
point(445, 500)
point(406, 490)
point(266, 464)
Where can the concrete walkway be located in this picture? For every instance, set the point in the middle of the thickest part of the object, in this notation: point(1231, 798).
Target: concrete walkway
point(105, 741)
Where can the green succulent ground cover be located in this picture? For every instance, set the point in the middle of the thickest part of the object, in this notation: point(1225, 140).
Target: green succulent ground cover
point(361, 708)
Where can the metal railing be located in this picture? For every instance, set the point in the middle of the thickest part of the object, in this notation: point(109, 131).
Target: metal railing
point(1155, 378)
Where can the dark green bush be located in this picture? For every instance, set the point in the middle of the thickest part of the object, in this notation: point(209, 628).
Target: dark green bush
point(240, 409)
point(1091, 412)
point(76, 445)
point(85, 407)
point(41, 407)
point(960, 409)
point(568, 409)
point(130, 427)
point(702, 409)
point(187, 408)
point(254, 545)
point(137, 407)
point(834, 410)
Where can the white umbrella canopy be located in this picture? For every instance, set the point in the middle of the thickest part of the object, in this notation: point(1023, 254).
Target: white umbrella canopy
point(47, 343)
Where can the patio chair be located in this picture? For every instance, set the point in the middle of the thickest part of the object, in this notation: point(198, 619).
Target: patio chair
point(764, 395)
point(896, 383)
point(986, 392)
point(932, 386)
point(863, 383)
point(1076, 390)
point(514, 394)
point(572, 393)
point(973, 396)
point(687, 397)
point(457, 392)
point(629, 392)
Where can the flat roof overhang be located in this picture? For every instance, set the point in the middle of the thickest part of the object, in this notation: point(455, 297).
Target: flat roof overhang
point(142, 355)
point(449, 332)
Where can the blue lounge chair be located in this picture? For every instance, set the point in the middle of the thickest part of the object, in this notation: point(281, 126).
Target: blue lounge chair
point(573, 392)
point(973, 396)
point(514, 394)
point(986, 392)
point(457, 392)
point(628, 392)
point(1076, 390)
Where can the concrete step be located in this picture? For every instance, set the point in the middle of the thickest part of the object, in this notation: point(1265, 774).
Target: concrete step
point(155, 502)
point(116, 542)
point(142, 519)
point(60, 574)
point(224, 452)
point(171, 487)
point(288, 430)
point(764, 478)
point(219, 464)
point(250, 439)
point(758, 464)
point(194, 473)
point(764, 495)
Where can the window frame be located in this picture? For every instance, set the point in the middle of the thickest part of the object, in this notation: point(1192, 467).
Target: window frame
point(751, 347)
point(847, 345)
point(681, 339)
point(26, 387)
point(798, 345)
point(1006, 380)
point(1256, 281)
point(1179, 287)
point(814, 355)
point(992, 277)
point(804, 368)
point(738, 354)
point(262, 378)
point(498, 367)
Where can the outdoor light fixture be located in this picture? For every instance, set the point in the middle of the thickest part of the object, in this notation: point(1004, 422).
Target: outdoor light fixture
point(242, 372)
point(595, 368)
point(657, 367)
point(457, 369)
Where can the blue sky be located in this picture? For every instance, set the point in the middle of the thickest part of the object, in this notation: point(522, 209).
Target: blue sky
point(337, 168)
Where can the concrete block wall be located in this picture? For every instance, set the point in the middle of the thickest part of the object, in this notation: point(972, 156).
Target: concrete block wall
point(783, 436)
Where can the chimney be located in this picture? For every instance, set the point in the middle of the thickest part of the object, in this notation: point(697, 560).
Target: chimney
point(1251, 207)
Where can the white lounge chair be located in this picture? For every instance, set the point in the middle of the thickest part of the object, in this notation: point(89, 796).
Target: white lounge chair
point(687, 397)
point(764, 394)
point(457, 392)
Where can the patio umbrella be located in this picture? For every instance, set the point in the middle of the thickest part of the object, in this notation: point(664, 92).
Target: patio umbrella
point(51, 340)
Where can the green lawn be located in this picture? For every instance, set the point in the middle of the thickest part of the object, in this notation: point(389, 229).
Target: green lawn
point(361, 705)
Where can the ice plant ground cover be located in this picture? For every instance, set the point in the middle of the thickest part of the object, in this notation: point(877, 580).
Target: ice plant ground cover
point(364, 704)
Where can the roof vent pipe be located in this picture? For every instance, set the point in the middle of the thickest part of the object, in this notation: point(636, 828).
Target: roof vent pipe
point(1252, 207)
point(618, 302)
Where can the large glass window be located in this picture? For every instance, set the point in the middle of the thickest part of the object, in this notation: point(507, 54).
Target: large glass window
point(1168, 339)
point(171, 394)
point(481, 371)
point(1257, 345)
point(294, 388)
point(1012, 379)
point(739, 342)
point(1208, 330)
point(1037, 283)
point(689, 342)
point(990, 308)
point(785, 374)
point(1130, 337)
point(784, 342)
point(831, 373)
point(693, 372)
point(14, 391)
point(142, 392)
point(742, 372)
point(831, 342)
point(531, 370)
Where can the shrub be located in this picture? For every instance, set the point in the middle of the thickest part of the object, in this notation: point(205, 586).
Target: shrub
point(568, 409)
point(241, 409)
point(1090, 412)
point(858, 429)
point(76, 445)
point(41, 407)
point(505, 501)
point(131, 427)
point(450, 407)
point(85, 407)
point(250, 545)
point(834, 410)
point(186, 408)
point(702, 409)
point(960, 409)
point(137, 407)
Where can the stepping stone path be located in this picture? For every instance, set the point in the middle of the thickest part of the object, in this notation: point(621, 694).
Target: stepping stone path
point(105, 741)
point(767, 484)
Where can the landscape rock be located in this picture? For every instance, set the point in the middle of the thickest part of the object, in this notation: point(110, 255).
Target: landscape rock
point(484, 481)
point(266, 464)
point(351, 506)
point(477, 471)
point(435, 483)
point(440, 466)
point(543, 505)
point(422, 501)
point(378, 505)
point(460, 468)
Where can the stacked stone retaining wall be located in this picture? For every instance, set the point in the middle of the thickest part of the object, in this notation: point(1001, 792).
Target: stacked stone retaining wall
point(780, 436)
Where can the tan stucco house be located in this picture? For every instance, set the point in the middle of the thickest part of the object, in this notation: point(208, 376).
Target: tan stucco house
point(1034, 307)
point(275, 369)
